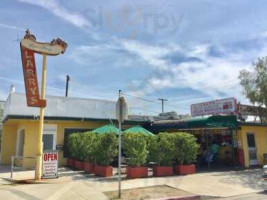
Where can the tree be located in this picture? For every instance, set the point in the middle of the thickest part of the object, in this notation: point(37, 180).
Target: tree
point(254, 82)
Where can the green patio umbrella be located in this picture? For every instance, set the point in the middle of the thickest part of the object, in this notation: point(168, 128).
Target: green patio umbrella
point(138, 129)
point(106, 129)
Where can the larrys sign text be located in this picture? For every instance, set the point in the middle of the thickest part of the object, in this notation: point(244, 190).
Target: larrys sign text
point(28, 47)
point(30, 79)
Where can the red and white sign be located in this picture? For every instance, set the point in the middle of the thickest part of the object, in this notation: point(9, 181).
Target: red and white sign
point(222, 106)
point(50, 164)
point(29, 46)
point(30, 78)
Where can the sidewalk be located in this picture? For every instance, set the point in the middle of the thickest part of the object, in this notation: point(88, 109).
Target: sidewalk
point(78, 185)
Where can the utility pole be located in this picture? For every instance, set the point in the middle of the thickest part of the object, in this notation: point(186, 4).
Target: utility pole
point(67, 85)
point(162, 104)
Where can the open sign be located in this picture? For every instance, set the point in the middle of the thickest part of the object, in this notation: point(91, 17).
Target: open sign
point(50, 164)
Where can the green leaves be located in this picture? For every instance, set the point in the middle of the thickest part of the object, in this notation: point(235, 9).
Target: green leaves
point(186, 148)
point(105, 148)
point(76, 144)
point(100, 148)
point(254, 82)
point(90, 146)
point(135, 148)
point(162, 149)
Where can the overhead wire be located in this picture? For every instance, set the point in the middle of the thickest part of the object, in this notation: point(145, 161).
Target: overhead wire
point(152, 101)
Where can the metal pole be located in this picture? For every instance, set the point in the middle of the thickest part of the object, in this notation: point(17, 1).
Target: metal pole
point(12, 166)
point(119, 160)
point(162, 104)
point(41, 124)
point(67, 85)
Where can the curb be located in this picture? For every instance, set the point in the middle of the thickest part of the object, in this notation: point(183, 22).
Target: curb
point(195, 197)
point(27, 181)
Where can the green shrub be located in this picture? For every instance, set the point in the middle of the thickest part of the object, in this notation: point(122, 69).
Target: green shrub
point(162, 149)
point(105, 148)
point(186, 148)
point(73, 143)
point(135, 148)
point(76, 142)
point(89, 145)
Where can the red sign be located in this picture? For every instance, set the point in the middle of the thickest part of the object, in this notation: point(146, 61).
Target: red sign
point(222, 106)
point(30, 79)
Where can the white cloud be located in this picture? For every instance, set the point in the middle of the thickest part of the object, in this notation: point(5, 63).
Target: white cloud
point(213, 76)
point(151, 54)
point(11, 27)
point(59, 10)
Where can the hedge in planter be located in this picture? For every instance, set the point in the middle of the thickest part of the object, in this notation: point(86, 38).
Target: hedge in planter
point(105, 151)
point(162, 151)
point(77, 150)
point(73, 142)
point(186, 153)
point(135, 149)
point(89, 145)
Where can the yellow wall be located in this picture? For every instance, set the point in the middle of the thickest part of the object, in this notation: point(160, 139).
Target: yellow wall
point(260, 133)
point(8, 144)
point(12, 126)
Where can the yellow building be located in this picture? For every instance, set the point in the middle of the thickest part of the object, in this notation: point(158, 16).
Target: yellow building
point(241, 143)
point(252, 138)
point(63, 116)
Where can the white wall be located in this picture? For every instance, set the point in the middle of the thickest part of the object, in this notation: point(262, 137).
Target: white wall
point(62, 107)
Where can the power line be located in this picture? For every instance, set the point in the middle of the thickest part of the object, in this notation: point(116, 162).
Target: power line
point(135, 108)
point(143, 99)
point(156, 102)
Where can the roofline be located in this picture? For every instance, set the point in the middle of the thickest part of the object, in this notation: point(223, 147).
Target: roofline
point(58, 118)
point(251, 124)
point(63, 97)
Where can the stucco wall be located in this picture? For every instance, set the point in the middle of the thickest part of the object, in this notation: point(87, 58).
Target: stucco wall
point(8, 143)
point(260, 139)
point(11, 128)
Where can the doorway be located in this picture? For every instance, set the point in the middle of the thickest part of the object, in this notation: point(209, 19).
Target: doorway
point(252, 149)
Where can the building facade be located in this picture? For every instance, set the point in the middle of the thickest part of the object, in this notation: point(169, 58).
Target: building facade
point(241, 143)
point(63, 116)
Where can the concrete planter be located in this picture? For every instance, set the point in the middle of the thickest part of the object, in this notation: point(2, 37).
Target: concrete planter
point(70, 162)
point(185, 169)
point(88, 167)
point(79, 165)
point(104, 171)
point(137, 172)
point(162, 171)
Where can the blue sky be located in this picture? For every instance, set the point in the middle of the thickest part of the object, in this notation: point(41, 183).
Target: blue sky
point(187, 51)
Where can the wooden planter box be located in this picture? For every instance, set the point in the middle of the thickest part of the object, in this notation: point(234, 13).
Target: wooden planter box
point(104, 171)
point(70, 162)
point(90, 168)
point(185, 169)
point(137, 172)
point(162, 171)
point(79, 165)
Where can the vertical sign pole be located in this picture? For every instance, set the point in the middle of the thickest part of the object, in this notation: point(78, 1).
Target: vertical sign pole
point(41, 123)
point(119, 167)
